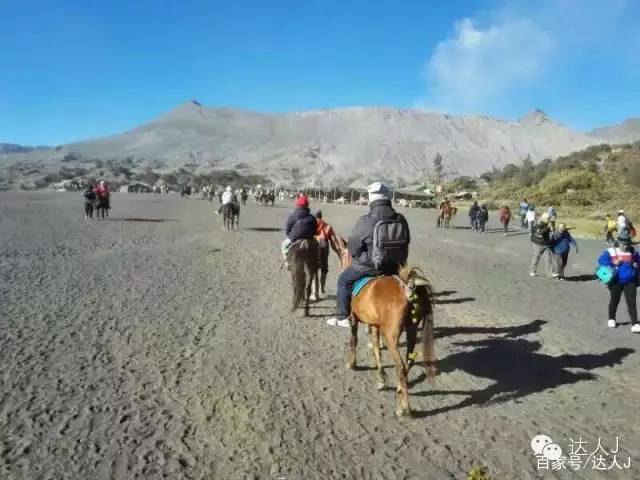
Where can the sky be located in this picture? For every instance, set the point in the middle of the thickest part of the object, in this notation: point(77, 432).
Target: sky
point(78, 69)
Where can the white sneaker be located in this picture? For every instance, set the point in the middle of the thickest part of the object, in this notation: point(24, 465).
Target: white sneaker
point(635, 328)
point(612, 324)
point(531, 274)
point(312, 297)
point(337, 322)
point(554, 275)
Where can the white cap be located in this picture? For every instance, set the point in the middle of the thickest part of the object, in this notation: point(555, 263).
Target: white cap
point(621, 211)
point(228, 188)
point(378, 191)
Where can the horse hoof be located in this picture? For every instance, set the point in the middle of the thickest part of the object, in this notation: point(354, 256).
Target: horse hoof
point(382, 385)
point(403, 412)
point(351, 366)
point(398, 389)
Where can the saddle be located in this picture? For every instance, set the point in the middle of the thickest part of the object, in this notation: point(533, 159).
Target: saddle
point(360, 284)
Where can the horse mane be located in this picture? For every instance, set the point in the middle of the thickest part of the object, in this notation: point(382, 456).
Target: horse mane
point(407, 273)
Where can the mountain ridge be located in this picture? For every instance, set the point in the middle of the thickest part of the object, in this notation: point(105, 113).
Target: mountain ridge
point(330, 146)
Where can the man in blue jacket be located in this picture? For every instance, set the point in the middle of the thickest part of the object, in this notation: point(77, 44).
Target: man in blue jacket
point(360, 246)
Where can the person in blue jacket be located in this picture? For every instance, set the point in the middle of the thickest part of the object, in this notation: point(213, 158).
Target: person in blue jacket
point(624, 259)
point(562, 242)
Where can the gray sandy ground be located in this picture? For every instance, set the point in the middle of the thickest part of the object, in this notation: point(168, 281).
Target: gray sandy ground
point(155, 345)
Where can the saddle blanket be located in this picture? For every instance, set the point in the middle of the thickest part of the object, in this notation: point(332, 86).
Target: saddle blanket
point(359, 285)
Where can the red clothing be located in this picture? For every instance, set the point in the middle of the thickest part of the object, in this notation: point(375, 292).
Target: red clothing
point(505, 215)
point(324, 230)
point(101, 190)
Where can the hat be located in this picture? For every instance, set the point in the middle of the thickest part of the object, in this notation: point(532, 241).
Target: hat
point(318, 214)
point(101, 182)
point(544, 218)
point(228, 189)
point(621, 212)
point(302, 201)
point(562, 227)
point(378, 191)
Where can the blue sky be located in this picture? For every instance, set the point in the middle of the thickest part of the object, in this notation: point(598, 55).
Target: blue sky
point(73, 70)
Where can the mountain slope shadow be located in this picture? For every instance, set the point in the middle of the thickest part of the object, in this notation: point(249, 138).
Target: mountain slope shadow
point(517, 370)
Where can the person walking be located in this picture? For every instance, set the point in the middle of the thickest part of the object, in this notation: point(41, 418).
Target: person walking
point(542, 246)
point(326, 239)
point(524, 208)
point(89, 196)
point(473, 216)
point(624, 260)
point(531, 217)
point(552, 215)
point(482, 218)
point(610, 229)
point(562, 242)
point(505, 218)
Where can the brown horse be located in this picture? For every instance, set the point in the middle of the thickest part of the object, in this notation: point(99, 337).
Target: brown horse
point(303, 260)
point(389, 305)
point(447, 212)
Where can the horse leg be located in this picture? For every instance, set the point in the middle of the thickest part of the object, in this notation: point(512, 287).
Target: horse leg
point(412, 334)
point(374, 341)
point(392, 338)
point(353, 342)
point(308, 285)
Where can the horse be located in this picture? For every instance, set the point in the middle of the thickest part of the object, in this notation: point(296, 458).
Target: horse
point(303, 258)
point(102, 205)
point(231, 215)
point(447, 212)
point(389, 305)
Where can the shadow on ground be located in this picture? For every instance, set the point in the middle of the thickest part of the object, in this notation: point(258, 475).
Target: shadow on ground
point(263, 229)
point(517, 370)
point(140, 220)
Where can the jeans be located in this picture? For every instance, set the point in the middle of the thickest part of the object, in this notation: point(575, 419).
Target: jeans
point(630, 290)
point(538, 252)
point(561, 262)
point(346, 280)
point(481, 225)
point(523, 221)
point(505, 224)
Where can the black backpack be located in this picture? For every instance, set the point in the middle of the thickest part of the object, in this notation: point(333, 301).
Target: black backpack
point(390, 246)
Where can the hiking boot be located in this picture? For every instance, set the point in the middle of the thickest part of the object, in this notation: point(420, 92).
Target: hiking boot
point(612, 324)
point(635, 328)
point(339, 322)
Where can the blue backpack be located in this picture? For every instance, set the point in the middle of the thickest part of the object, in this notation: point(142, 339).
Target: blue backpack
point(605, 274)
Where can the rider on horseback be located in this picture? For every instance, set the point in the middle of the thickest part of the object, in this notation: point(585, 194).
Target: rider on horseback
point(301, 224)
point(361, 249)
point(228, 198)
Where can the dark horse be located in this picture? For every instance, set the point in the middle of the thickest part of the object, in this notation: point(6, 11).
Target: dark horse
point(102, 205)
point(231, 215)
point(303, 259)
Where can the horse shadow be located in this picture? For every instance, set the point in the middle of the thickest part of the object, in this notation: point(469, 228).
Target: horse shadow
point(263, 229)
point(141, 220)
point(444, 293)
point(517, 370)
point(451, 301)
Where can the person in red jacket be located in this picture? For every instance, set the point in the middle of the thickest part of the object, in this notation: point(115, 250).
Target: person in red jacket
point(326, 239)
point(102, 194)
point(505, 218)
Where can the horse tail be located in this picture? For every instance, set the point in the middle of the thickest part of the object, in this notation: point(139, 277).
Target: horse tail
point(299, 276)
point(428, 342)
point(423, 290)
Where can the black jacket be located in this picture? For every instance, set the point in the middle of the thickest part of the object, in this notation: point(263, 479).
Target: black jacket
point(473, 211)
point(300, 224)
point(361, 237)
point(541, 235)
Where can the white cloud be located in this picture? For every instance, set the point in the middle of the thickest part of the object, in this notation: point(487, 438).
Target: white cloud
point(489, 59)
